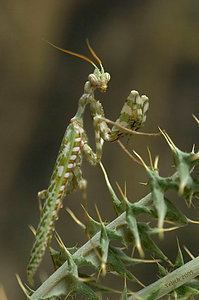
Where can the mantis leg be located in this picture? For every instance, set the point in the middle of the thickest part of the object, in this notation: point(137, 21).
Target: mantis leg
point(82, 184)
point(132, 116)
point(91, 156)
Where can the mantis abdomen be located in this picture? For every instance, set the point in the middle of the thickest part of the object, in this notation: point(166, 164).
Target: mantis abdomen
point(62, 182)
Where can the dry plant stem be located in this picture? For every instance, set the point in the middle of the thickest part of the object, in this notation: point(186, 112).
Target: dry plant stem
point(86, 250)
point(196, 119)
point(128, 153)
point(171, 281)
point(165, 285)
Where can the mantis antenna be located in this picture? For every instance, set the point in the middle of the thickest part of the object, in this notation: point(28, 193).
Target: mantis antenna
point(93, 53)
point(81, 56)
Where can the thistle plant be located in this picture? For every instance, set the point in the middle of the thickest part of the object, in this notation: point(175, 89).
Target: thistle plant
point(107, 250)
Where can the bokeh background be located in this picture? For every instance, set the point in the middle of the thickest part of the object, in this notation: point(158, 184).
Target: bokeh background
point(150, 46)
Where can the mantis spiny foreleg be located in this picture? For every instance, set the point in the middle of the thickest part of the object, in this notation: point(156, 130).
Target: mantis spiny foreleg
point(132, 116)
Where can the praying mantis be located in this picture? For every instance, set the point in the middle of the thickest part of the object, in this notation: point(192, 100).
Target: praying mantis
point(67, 173)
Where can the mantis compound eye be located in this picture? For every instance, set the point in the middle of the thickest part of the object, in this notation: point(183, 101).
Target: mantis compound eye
point(93, 80)
point(105, 77)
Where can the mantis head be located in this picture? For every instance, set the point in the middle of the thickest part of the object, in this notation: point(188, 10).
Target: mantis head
point(99, 78)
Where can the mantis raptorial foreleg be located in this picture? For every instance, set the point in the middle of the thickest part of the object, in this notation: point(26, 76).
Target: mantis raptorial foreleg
point(132, 116)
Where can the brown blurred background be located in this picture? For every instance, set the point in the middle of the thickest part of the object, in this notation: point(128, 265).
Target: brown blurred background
point(151, 46)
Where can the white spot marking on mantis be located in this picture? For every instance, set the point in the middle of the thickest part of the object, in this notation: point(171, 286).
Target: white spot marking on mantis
point(76, 149)
point(73, 157)
point(139, 100)
point(102, 141)
point(144, 119)
point(70, 166)
point(103, 126)
point(66, 175)
point(60, 170)
point(139, 112)
point(78, 139)
point(81, 130)
point(146, 107)
point(66, 149)
point(126, 109)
